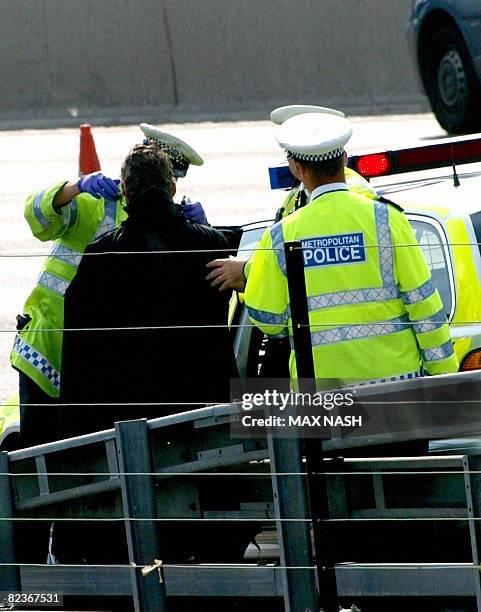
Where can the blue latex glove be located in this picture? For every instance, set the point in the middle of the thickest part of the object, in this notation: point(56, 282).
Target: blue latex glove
point(99, 186)
point(193, 211)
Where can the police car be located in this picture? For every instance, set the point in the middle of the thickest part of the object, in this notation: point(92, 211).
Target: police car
point(441, 197)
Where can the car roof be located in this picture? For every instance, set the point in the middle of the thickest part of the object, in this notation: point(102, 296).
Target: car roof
point(443, 174)
point(435, 190)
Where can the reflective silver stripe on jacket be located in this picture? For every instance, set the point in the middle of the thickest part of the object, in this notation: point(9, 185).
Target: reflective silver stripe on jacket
point(54, 283)
point(65, 254)
point(32, 356)
point(277, 236)
point(440, 352)
point(433, 322)
point(268, 318)
point(356, 332)
point(59, 251)
point(110, 216)
point(356, 296)
point(418, 295)
point(388, 290)
point(44, 222)
point(386, 258)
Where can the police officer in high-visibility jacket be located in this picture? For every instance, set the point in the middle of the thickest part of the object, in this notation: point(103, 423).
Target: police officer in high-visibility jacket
point(71, 214)
point(232, 273)
point(374, 312)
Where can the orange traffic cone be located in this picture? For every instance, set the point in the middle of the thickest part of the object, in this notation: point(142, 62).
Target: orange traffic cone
point(88, 159)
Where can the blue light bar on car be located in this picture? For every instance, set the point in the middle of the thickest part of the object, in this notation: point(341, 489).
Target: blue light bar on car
point(281, 177)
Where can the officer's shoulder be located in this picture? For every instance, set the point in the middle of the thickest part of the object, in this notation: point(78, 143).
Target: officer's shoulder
point(293, 192)
point(389, 202)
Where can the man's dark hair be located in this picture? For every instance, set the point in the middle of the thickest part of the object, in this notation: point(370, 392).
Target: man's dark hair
point(146, 166)
point(324, 169)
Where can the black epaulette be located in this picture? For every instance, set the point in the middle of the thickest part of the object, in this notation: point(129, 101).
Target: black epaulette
point(390, 202)
point(279, 215)
point(301, 199)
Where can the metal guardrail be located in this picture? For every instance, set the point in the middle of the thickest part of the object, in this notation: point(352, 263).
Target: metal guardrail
point(146, 476)
point(179, 452)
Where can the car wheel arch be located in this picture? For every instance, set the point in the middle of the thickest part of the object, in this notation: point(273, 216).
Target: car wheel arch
point(448, 75)
point(433, 21)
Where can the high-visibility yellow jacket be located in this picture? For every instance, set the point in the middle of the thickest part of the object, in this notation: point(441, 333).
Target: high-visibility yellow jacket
point(373, 309)
point(35, 352)
point(293, 200)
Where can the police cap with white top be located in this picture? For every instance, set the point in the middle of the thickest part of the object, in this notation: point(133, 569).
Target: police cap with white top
point(283, 113)
point(314, 136)
point(180, 153)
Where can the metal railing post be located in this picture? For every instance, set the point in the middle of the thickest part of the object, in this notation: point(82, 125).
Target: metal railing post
point(316, 481)
point(139, 503)
point(301, 331)
point(290, 492)
point(291, 502)
point(472, 483)
point(9, 574)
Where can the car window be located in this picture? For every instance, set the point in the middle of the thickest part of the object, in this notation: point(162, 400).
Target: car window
point(248, 339)
point(249, 240)
point(431, 244)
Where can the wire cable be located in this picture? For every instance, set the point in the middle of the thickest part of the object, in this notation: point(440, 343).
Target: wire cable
point(75, 254)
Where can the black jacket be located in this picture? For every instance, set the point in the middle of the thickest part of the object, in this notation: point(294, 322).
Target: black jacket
point(190, 361)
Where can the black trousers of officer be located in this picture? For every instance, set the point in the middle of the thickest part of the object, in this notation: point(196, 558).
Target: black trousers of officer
point(38, 423)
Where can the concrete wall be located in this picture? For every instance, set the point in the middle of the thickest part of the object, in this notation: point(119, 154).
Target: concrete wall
point(88, 57)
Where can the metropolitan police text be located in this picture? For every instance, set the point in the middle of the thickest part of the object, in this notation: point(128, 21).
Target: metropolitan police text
point(340, 249)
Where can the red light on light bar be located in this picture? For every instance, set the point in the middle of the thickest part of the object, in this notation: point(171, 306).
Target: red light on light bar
point(462, 150)
point(374, 164)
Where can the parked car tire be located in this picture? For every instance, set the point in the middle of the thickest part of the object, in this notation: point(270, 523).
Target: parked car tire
point(450, 82)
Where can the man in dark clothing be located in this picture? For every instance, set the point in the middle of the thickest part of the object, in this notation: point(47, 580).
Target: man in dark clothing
point(167, 343)
point(161, 345)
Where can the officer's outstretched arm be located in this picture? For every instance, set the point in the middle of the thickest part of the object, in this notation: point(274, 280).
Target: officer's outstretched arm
point(68, 192)
point(52, 211)
point(227, 274)
point(421, 299)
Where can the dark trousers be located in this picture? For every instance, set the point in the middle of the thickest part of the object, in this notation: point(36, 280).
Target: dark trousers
point(38, 424)
point(36, 427)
